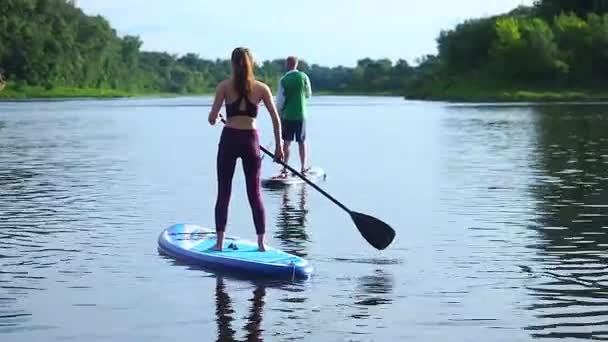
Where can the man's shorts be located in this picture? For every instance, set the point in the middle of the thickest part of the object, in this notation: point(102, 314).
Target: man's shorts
point(293, 130)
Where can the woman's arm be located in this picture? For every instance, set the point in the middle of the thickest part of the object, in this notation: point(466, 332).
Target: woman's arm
point(217, 103)
point(276, 123)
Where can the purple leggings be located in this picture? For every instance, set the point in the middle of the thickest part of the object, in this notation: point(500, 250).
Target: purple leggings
point(235, 143)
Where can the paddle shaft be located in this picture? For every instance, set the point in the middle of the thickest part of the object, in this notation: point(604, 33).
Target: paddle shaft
point(303, 178)
point(307, 181)
point(376, 232)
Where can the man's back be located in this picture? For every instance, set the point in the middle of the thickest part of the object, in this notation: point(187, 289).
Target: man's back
point(295, 87)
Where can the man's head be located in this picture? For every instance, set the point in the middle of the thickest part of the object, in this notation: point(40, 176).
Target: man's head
point(292, 62)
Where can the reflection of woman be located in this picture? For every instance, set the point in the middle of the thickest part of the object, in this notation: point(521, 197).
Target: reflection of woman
point(255, 315)
point(224, 313)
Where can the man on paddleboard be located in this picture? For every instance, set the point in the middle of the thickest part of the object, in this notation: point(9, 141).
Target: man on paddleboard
point(294, 90)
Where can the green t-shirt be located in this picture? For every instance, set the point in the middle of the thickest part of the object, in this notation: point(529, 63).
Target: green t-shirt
point(294, 90)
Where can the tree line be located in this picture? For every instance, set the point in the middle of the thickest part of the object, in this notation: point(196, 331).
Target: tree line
point(53, 43)
point(555, 43)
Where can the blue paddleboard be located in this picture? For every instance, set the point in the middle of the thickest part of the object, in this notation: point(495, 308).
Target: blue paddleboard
point(192, 243)
point(315, 174)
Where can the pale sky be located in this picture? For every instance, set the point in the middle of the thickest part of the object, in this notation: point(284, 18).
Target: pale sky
point(327, 32)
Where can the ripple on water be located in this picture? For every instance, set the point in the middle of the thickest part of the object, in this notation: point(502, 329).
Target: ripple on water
point(370, 261)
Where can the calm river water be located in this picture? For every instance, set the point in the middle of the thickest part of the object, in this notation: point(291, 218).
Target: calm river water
point(500, 212)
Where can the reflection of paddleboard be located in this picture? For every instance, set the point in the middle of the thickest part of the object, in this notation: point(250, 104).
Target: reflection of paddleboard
point(315, 174)
point(191, 244)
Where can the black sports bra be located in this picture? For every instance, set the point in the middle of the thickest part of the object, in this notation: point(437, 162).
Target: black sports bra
point(233, 109)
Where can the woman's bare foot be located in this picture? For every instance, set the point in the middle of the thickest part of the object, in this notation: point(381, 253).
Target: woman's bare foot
point(261, 246)
point(219, 243)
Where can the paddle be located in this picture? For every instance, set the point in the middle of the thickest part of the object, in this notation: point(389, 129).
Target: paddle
point(262, 159)
point(376, 232)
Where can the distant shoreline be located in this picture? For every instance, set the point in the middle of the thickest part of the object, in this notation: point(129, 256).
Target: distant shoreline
point(460, 93)
point(532, 97)
point(471, 93)
point(33, 93)
point(37, 93)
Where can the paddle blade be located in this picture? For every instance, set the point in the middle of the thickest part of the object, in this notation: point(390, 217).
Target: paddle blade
point(376, 232)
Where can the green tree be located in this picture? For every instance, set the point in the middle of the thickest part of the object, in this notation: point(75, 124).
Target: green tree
point(52, 43)
point(467, 46)
point(597, 46)
point(551, 8)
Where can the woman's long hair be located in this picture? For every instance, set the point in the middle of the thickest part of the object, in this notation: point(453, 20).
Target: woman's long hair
point(242, 66)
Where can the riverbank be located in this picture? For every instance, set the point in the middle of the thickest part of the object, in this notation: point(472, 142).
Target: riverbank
point(356, 93)
point(451, 93)
point(25, 93)
point(28, 92)
point(471, 92)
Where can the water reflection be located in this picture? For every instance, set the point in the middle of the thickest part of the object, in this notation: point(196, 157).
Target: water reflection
point(225, 312)
point(371, 297)
point(375, 289)
point(572, 277)
point(291, 220)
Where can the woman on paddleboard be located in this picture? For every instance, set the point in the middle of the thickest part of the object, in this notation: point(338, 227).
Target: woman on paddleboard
point(242, 94)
